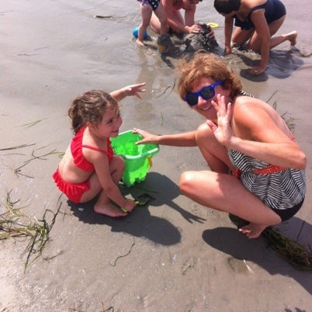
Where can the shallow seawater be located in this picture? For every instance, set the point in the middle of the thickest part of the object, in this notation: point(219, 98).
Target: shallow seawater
point(172, 254)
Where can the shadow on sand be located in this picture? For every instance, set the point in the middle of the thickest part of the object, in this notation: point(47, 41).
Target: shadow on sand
point(233, 243)
point(162, 191)
point(140, 222)
point(281, 65)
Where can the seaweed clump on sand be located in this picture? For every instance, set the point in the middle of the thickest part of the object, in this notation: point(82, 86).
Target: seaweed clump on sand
point(15, 224)
point(289, 249)
point(201, 41)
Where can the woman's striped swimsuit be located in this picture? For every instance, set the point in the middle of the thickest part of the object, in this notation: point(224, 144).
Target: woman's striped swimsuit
point(278, 188)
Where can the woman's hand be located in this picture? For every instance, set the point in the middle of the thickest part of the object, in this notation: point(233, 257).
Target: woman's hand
point(147, 137)
point(222, 130)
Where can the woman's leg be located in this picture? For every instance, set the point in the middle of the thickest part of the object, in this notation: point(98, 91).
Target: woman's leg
point(277, 40)
point(255, 42)
point(214, 153)
point(226, 193)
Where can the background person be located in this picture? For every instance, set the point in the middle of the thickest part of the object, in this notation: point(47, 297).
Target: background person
point(257, 22)
point(147, 7)
point(176, 22)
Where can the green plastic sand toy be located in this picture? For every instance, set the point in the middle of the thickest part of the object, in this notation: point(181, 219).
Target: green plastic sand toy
point(138, 158)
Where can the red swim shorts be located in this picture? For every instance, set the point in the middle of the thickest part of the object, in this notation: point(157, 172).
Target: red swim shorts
point(73, 191)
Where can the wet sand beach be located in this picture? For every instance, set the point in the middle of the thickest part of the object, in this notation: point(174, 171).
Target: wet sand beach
point(171, 254)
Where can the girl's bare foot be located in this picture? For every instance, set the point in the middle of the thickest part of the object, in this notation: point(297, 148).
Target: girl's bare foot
point(292, 37)
point(140, 43)
point(109, 210)
point(252, 230)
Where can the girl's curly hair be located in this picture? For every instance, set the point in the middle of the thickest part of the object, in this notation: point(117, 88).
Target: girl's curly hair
point(90, 107)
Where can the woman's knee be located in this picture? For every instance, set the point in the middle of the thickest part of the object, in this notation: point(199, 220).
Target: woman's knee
point(240, 36)
point(186, 182)
point(203, 133)
point(205, 139)
point(214, 153)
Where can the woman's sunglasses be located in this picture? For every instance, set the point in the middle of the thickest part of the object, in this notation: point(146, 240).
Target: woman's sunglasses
point(206, 93)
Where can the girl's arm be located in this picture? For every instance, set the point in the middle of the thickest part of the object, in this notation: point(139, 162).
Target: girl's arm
point(135, 89)
point(263, 32)
point(180, 139)
point(104, 174)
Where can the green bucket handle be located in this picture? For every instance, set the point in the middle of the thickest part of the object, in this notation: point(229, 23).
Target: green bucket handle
point(150, 162)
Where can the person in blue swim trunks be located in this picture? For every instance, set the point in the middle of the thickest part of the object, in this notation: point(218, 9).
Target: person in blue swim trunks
point(147, 8)
point(256, 23)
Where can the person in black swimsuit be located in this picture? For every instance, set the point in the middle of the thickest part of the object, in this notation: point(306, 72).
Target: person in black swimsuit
point(256, 22)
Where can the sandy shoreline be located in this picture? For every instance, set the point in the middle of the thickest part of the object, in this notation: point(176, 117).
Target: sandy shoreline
point(171, 255)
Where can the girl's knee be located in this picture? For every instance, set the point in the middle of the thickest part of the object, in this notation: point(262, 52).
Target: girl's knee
point(118, 162)
point(121, 162)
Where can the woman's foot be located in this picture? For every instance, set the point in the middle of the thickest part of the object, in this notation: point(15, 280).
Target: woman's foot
point(109, 210)
point(252, 230)
point(292, 38)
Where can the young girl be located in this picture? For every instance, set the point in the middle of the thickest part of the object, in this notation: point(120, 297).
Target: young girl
point(257, 169)
point(89, 166)
point(147, 7)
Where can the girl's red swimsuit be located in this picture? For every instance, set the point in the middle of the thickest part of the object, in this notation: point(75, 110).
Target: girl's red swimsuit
point(74, 191)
